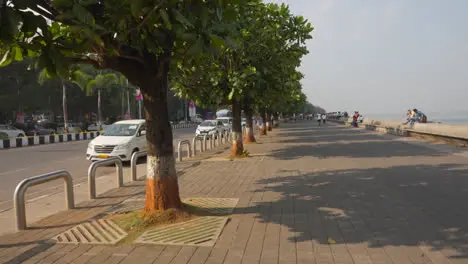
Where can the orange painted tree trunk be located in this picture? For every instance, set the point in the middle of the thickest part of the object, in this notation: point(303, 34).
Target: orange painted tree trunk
point(263, 129)
point(162, 189)
point(237, 145)
point(249, 128)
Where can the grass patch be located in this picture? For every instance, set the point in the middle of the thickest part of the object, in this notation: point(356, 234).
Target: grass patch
point(245, 154)
point(136, 223)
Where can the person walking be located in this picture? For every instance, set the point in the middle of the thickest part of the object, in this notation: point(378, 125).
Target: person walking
point(319, 119)
point(324, 118)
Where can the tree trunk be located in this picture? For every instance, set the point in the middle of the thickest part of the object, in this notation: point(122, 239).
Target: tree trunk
point(263, 129)
point(128, 101)
point(64, 107)
point(162, 189)
point(276, 119)
point(237, 146)
point(122, 94)
point(249, 128)
point(99, 109)
point(268, 121)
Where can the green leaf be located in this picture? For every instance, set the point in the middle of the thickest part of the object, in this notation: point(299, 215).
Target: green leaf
point(6, 59)
point(17, 53)
point(165, 18)
point(181, 18)
point(136, 7)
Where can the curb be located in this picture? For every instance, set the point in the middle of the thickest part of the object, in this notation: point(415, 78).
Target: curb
point(52, 139)
point(42, 140)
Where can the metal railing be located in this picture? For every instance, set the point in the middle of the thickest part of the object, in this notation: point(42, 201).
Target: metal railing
point(194, 144)
point(179, 147)
point(18, 196)
point(204, 142)
point(92, 174)
point(133, 163)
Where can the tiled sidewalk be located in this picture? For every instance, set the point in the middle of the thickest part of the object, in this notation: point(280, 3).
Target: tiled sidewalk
point(308, 195)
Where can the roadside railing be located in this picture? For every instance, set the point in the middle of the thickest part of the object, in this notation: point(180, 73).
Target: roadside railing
point(20, 191)
point(194, 145)
point(179, 148)
point(19, 194)
point(204, 142)
point(92, 174)
point(133, 163)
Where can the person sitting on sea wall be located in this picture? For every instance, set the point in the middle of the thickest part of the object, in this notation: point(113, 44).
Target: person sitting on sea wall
point(415, 116)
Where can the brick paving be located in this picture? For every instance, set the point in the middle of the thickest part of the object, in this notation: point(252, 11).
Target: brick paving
point(308, 195)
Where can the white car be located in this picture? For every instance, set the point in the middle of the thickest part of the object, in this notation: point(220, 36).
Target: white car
point(210, 128)
point(120, 139)
point(12, 131)
point(227, 122)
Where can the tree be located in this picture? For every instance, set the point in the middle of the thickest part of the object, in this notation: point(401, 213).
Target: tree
point(142, 39)
point(269, 42)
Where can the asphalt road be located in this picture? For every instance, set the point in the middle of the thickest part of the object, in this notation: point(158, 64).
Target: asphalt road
point(21, 163)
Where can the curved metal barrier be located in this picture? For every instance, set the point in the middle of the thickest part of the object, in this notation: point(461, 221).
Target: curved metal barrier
point(204, 142)
point(18, 196)
point(194, 143)
point(133, 163)
point(179, 147)
point(92, 174)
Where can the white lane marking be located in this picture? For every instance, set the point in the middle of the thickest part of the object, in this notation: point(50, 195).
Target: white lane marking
point(68, 159)
point(12, 171)
point(37, 198)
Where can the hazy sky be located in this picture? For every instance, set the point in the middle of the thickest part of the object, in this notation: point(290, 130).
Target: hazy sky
point(386, 56)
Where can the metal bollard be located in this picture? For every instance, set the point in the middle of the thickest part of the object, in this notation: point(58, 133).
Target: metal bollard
point(204, 142)
point(92, 174)
point(194, 143)
point(20, 191)
point(133, 162)
point(179, 147)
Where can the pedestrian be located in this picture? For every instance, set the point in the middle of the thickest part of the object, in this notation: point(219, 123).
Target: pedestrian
point(324, 118)
point(319, 119)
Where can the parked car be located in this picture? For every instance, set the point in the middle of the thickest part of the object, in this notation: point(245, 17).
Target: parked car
point(96, 127)
point(11, 131)
point(227, 122)
point(120, 140)
point(39, 130)
point(72, 128)
point(210, 128)
point(197, 119)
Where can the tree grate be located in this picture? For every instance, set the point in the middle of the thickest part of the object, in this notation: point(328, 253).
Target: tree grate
point(201, 231)
point(100, 231)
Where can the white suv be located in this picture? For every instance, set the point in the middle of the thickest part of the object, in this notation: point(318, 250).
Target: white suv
point(120, 139)
point(210, 128)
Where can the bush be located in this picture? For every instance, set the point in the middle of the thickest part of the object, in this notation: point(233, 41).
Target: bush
point(3, 135)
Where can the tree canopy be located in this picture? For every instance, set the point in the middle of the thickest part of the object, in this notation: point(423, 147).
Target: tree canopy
point(214, 51)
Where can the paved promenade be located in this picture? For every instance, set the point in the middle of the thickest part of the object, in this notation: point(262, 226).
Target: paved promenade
point(309, 194)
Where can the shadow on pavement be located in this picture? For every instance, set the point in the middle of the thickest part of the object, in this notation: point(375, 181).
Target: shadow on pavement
point(371, 149)
point(400, 206)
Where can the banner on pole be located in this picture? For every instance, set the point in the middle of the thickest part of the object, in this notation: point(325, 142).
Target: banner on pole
point(192, 109)
point(139, 95)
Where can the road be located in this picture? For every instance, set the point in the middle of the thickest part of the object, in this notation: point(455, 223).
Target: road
point(18, 164)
